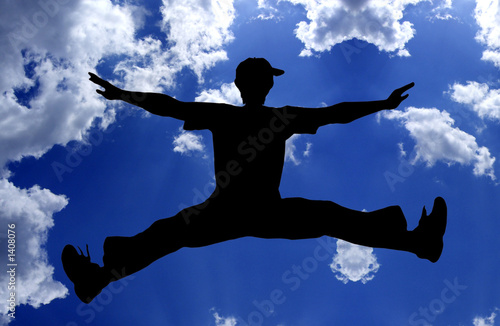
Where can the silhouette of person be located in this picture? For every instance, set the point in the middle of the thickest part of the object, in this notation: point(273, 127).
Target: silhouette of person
point(249, 150)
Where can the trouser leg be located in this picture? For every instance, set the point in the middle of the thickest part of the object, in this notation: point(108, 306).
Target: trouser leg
point(197, 226)
point(299, 218)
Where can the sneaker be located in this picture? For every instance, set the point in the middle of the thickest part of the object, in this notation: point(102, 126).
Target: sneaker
point(431, 229)
point(87, 277)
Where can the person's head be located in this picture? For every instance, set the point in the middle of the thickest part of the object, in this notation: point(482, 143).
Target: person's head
point(254, 79)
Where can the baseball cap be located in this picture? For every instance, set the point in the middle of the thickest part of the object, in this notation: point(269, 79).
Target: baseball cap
point(257, 66)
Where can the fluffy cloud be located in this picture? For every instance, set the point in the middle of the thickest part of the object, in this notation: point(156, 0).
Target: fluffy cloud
point(291, 150)
point(354, 263)
point(437, 140)
point(228, 93)
point(268, 11)
point(307, 152)
point(485, 321)
point(442, 10)
point(198, 30)
point(479, 97)
point(46, 98)
point(487, 15)
point(31, 211)
point(188, 142)
point(195, 34)
point(373, 21)
point(223, 321)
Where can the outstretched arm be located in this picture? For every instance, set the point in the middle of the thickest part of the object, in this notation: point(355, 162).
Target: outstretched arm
point(346, 112)
point(155, 103)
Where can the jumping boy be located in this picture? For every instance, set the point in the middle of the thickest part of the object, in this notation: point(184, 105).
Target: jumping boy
point(249, 151)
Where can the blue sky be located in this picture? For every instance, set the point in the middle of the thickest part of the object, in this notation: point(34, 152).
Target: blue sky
point(76, 168)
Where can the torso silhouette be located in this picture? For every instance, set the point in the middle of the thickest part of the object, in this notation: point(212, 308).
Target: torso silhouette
point(249, 148)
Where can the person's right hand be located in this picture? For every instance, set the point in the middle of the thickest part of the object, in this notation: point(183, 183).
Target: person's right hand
point(110, 92)
point(397, 96)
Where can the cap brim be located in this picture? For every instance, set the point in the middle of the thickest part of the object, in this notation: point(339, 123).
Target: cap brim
point(277, 72)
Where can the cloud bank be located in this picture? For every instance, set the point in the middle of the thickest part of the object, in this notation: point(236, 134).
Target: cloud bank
point(333, 22)
point(195, 32)
point(223, 321)
point(487, 15)
point(227, 93)
point(436, 139)
point(485, 321)
point(479, 98)
point(31, 211)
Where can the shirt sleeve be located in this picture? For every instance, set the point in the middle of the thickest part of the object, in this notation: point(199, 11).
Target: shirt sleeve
point(301, 120)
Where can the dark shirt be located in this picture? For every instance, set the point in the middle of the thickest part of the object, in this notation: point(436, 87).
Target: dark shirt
point(249, 147)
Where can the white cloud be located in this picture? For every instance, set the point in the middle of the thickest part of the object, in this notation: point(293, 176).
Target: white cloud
point(437, 140)
point(195, 33)
point(479, 97)
point(487, 15)
point(268, 10)
point(442, 10)
point(290, 149)
point(59, 53)
point(198, 30)
point(485, 321)
point(376, 22)
point(265, 4)
point(188, 142)
point(401, 149)
point(307, 152)
point(31, 211)
point(228, 93)
point(223, 321)
point(291, 154)
point(354, 263)
point(57, 115)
